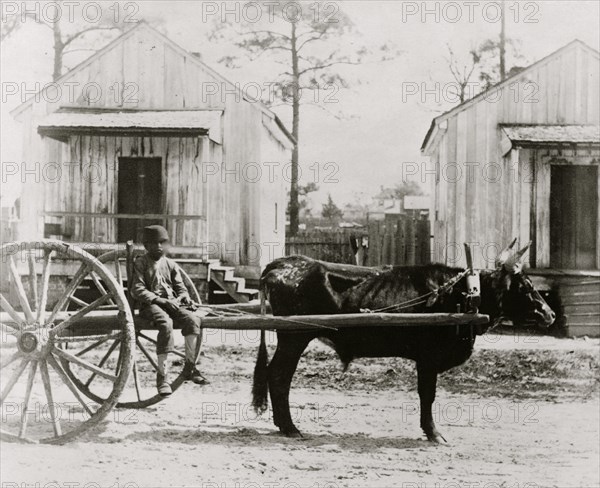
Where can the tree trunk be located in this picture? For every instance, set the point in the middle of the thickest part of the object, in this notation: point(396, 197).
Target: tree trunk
point(58, 51)
point(502, 42)
point(294, 206)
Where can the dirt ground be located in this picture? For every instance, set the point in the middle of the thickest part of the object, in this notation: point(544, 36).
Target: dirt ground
point(523, 412)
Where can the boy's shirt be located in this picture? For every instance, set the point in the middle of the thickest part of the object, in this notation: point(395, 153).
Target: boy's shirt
point(156, 279)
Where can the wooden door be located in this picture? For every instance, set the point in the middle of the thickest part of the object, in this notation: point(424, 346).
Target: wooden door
point(573, 216)
point(140, 193)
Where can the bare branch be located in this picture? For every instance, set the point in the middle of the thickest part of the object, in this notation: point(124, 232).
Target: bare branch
point(328, 65)
point(71, 38)
point(311, 39)
point(268, 32)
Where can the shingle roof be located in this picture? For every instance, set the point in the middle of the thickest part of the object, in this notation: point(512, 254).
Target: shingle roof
point(553, 133)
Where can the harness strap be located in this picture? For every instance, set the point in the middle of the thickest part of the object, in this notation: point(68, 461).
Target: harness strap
point(433, 296)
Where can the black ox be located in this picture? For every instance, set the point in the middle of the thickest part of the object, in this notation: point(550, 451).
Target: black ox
point(298, 285)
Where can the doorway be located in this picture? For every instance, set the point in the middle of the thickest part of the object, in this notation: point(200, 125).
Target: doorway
point(573, 216)
point(140, 193)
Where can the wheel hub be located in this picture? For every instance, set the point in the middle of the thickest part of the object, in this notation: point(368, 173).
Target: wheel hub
point(33, 342)
point(28, 342)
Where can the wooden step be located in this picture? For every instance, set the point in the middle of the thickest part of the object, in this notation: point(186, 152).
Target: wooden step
point(235, 287)
point(593, 308)
point(582, 329)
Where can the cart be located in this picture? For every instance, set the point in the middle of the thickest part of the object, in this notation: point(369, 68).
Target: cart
point(86, 332)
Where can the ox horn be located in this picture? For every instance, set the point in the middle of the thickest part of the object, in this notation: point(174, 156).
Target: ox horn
point(515, 263)
point(519, 254)
point(505, 253)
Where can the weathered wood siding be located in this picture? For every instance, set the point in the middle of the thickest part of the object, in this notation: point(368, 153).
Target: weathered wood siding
point(486, 197)
point(90, 178)
point(272, 194)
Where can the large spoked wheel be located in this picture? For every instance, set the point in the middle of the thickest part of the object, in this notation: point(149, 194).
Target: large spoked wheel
point(47, 328)
point(140, 391)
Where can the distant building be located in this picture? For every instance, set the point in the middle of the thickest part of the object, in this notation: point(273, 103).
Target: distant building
point(417, 205)
point(355, 212)
point(387, 203)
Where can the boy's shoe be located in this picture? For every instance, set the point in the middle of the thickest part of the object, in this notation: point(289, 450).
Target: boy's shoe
point(190, 372)
point(163, 386)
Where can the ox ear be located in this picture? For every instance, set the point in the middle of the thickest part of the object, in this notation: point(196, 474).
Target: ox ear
point(504, 255)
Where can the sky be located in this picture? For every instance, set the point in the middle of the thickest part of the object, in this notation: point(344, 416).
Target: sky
point(382, 126)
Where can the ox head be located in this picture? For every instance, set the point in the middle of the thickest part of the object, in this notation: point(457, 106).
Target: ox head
point(519, 300)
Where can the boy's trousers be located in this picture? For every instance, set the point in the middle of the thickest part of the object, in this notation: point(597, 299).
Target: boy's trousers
point(164, 321)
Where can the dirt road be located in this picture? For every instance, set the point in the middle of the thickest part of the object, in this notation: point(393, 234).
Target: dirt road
point(536, 423)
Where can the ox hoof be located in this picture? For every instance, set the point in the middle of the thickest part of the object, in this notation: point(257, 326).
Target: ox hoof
point(437, 438)
point(294, 434)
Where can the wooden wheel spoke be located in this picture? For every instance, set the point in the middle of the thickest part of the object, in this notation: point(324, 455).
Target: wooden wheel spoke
point(149, 339)
point(147, 354)
point(178, 353)
point(98, 343)
point(102, 361)
point(78, 301)
point(30, 378)
point(72, 286)
point(67, 381)
point(84, 364)
point(33, 280)
point(41, 309)
point(100, 286)
point(9, 360)
point(144, 336)
point(13, 379)
point(118, 272)
point(20, 290)
point(153, 341)
point(80, 313)
point(8, 308)
point(136, 381)
point(51, 405)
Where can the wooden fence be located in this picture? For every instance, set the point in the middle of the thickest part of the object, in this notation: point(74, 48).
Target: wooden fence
point(398, 240)
point(332, 246)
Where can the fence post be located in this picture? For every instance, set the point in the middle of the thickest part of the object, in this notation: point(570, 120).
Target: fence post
point(374, 244)
point(423, 242)
point(410, 240)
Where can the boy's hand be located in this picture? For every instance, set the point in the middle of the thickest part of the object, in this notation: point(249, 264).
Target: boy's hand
point(168, 305)
point(184, 300)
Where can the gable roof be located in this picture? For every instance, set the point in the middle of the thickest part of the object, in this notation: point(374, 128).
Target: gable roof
point(143, 25)
point(502, 84)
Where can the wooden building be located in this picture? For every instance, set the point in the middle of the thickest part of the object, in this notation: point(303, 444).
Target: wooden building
point(144, 132)
point(521, 160)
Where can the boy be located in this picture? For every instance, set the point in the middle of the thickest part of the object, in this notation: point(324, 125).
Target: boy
point(158, 287)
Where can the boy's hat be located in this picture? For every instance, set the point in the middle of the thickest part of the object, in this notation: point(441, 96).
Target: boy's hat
point(155, 233)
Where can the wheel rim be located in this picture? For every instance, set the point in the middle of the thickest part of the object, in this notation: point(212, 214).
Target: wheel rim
point(140, 391)
point(45, 331)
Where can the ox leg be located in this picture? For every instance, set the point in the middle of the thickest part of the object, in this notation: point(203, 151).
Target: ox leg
point(427, 382)
point(281, 370)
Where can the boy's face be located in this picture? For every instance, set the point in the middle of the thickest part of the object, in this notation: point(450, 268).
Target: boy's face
point(156, 250)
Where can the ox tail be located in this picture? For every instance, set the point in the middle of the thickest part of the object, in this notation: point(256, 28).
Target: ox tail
point(260, 386)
